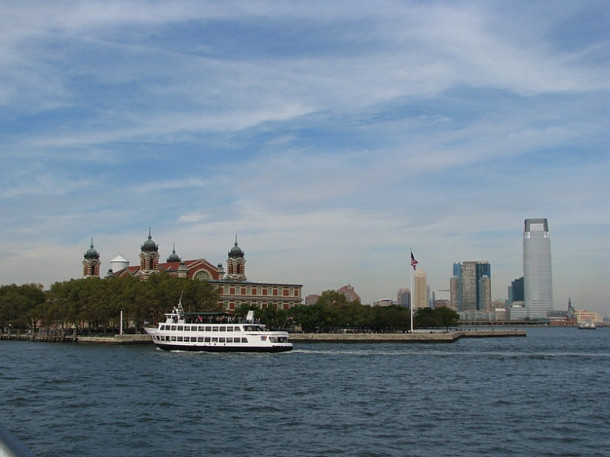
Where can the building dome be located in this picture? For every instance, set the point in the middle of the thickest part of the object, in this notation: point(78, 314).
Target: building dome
point(236, 251)
point(91, 253)
point(173, 257)
point(149, 245)
point(118, 263)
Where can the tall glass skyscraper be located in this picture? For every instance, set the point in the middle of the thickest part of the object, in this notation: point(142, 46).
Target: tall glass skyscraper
point(470, 286)
point(537, 276)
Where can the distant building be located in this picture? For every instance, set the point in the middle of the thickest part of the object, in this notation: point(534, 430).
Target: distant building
point(537, 271)
point(91, 263)
point(385, 302)
point(588, 316)
point(234, 288)
point(470, 286)
point(441, 303)
point(311, 299)
point(403, 297)
point(500, 314)
point(349, 293)
point(517, 312)
point(515, 290)
point(420, 286)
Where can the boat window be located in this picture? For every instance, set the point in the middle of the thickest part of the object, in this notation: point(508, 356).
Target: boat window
point(179, 338)
point(201, 327)
point(173, 327)
point(193, 339)
point(229, 340)
point(215, 329)
point(207, 339)
point(223, 328)
point(180, 327)
point(187, 328)
point(221, 340)
point(273, 339)
point(173, 338)
point(208, 329)
point(254, 328)
point(237, 329)
point(214, 340)
point(244, 340)
point(229, 329)
point(200, 339)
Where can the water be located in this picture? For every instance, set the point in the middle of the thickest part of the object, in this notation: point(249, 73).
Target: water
point(544, 395)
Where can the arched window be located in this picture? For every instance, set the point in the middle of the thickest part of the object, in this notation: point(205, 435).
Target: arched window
point(202, 276)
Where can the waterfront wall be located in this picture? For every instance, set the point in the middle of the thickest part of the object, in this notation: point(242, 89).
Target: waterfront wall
point(416, 337)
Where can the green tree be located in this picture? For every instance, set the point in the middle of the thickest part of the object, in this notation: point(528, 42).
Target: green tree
point(424, 317)
point(447, 317)
point(18, 304)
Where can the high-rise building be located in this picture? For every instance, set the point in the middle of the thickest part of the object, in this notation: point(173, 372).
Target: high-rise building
point(455, 287)
point(420, 294)
point(470, 286)
point(403, 297)
point(515, 291)
point(537, 274)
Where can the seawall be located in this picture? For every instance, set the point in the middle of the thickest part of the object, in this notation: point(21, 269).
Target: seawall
point(416, 337)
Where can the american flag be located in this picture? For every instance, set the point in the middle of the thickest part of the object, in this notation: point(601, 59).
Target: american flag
point(413, 262)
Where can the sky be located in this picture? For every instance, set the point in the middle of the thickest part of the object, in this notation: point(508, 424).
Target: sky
point(332, 138)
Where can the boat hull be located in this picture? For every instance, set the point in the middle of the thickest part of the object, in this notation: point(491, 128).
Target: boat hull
point(220, 348)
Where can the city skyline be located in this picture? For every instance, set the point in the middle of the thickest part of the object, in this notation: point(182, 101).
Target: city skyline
point(331, 138)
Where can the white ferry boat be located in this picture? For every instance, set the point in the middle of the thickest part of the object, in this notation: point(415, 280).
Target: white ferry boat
point(216, 332)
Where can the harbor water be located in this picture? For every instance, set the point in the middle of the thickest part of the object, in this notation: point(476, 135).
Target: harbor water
point(547, 394)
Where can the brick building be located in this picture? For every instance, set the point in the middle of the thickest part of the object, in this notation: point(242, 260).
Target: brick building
point(234, 288)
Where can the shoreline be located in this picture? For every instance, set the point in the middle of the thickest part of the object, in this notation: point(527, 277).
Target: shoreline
point(419, 336)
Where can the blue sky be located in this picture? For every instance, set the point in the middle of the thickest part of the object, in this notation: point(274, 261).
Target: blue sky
point(331, 137)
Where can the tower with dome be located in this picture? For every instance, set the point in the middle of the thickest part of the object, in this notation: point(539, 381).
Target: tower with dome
point(91, 262)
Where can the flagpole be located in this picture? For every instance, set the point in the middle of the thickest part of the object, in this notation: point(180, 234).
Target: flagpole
point(412, 298)
point(413, 267)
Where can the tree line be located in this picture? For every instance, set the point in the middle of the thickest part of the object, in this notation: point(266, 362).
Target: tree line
point(333, 311)
point(94, 305)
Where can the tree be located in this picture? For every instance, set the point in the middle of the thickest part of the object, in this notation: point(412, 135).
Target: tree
point(447, 317)
point(424, 317)
point(18, 304)
point(439, 317)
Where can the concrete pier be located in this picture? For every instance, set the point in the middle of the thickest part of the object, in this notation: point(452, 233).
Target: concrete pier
point(416, 337)
point(419, 336)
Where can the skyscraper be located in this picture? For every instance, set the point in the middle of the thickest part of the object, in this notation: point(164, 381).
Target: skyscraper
point(470, 286)
point(420, 295)
point(537, 276)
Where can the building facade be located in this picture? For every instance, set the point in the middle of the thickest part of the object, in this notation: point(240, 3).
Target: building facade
point(470, 286)
point(233, 286)
point(420, 286)
point(537, 272)
point(403, 297)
